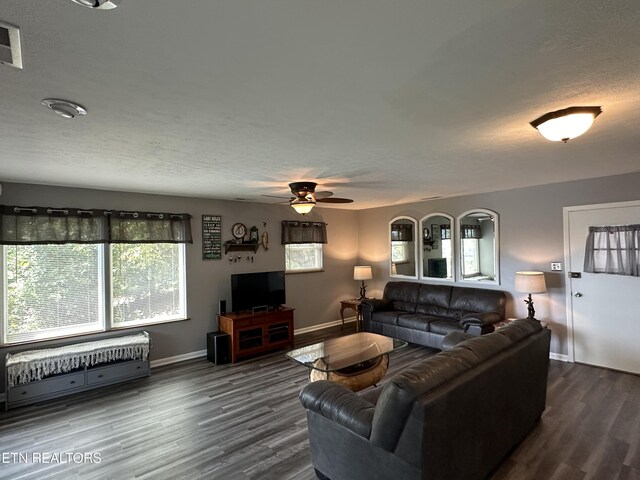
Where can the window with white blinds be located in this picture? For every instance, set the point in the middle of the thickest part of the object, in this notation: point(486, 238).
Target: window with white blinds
point(69, 271)
point(52, 291)
point(148, 284)
point(303, 257)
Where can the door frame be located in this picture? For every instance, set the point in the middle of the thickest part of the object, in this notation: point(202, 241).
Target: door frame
point(567, 260)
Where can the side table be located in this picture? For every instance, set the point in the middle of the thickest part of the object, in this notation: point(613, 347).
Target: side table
point(353, 304)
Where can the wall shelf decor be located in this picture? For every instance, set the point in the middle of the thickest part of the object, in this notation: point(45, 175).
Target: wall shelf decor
point(231, 246)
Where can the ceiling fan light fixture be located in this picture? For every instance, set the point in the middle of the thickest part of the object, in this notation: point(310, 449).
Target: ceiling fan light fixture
point(563, 125)
point(302, 206)
point(64, 108)
point(98, 4)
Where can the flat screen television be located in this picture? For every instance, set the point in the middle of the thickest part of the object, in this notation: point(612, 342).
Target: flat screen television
point(257, 291)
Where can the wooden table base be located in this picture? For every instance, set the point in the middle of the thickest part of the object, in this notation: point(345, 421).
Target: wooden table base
point(357, 377)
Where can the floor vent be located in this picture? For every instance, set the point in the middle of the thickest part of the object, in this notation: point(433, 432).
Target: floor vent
point(10, 53)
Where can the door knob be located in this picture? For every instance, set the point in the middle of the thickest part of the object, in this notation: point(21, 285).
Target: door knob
point(577, 294)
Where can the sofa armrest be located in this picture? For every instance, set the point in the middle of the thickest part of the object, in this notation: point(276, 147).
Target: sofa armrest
point(339, 404)
point(452, 339)
point(482, 319)
point(375, 305)
point(479, 323)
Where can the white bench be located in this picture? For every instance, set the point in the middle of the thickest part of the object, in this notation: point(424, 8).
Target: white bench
point(42, 374)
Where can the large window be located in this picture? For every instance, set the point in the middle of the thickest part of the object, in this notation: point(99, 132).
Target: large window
point(52, 291)
point(68, 271)
point(148, 283)
point(303, 257)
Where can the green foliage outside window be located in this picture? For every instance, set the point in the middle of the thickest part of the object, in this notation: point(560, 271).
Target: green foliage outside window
point(146, 282)
point(51, 287)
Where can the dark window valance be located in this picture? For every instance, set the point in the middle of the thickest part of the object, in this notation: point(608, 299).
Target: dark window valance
point(445, 231)
point(470, 231)
point(42, 225)
point(402, 232)
point(146, 227)
point(294, 231)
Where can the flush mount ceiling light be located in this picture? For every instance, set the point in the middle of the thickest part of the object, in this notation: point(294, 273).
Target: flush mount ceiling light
point(563, 125)
point(64, 108)
point(98, 4)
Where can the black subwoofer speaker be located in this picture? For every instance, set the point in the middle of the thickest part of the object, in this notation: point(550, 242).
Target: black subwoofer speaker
point(218, 347)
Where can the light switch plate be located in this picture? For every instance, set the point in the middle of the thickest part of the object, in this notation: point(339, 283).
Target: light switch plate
point(556, 266)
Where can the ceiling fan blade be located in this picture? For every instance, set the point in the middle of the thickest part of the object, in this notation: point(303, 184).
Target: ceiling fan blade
point(334, 200)
point(323, 194)
point(277, 196)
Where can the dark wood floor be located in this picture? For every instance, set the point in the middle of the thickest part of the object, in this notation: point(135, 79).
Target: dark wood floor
point(197, 420)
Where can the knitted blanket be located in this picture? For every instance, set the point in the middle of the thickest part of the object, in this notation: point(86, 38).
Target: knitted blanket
point(32, 365)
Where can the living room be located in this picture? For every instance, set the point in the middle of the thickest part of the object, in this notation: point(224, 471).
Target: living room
point(528, 186)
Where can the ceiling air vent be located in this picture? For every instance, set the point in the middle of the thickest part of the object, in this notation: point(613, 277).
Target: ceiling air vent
point(10, 53)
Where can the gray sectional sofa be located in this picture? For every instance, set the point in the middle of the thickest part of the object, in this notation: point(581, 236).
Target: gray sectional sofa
point(452, 416)
point(424, 313)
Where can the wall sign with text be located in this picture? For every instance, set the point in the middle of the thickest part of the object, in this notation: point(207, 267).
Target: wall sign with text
point(211, 237)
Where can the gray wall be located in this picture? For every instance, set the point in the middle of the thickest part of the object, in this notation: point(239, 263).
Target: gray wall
point(531, 236)
point(315, 296)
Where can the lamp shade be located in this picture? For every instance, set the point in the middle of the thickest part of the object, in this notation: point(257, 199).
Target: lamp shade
point(530, 282)
point(362, 272)
point(563, 125)
point(302, 206)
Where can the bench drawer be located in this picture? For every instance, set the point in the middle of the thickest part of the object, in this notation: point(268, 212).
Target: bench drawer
point(110, 373)
point(60, 383)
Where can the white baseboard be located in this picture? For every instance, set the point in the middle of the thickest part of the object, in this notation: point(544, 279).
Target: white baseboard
point(559, 356)
point(203, 353)
point(313, 328)
point(178, 358)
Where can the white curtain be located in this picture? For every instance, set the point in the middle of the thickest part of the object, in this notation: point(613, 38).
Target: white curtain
point(613, 249)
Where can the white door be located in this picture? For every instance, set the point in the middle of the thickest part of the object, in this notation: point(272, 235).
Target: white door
point(603, 309)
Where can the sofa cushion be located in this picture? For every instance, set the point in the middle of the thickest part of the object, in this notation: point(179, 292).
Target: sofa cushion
point(477, 300)
point(405, 306)
point(389, 317)
point(442, 326)
point(435, 295)
point(406, 292)
point(488, 345)
point(416, 321)
point(398, 395)
point(427, 309)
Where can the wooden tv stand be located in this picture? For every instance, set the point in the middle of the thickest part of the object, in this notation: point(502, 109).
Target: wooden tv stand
point(254, 333)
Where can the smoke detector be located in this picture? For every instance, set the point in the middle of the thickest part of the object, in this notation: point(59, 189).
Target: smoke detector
point(98, 4)
point(64, 108)
point(10, 52)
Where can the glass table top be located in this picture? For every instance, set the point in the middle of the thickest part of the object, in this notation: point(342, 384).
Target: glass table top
point(343, 352)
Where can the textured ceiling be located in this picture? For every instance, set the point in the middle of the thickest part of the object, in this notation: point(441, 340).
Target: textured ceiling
point(383, 102)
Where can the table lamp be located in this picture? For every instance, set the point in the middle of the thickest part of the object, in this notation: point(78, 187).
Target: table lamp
point(362, 272)
point(530, 282)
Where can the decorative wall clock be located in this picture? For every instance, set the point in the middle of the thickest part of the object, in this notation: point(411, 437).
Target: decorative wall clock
point(239, 231)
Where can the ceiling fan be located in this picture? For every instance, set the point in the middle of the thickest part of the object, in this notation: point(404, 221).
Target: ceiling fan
point(305, 197)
